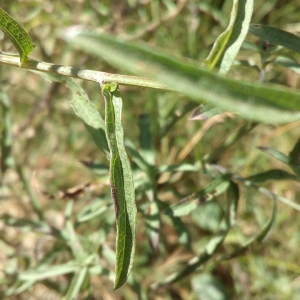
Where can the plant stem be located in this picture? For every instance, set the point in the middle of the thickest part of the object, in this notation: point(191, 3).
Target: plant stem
point(91, 75)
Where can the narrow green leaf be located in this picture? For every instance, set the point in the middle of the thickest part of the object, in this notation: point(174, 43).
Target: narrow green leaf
point(180, 168)
point(214, 243)
point(276, 154)
point(259, 238)
point(121, 182)
point(293, 160)
point(19, 287)
point(15, 32)
point(95, 209)
point(262, 190)
point(50, 271)
point(229, 42)
point(73, 241)
point(288, 62)
point(268, 104)
point(84, 109)
point(276, 36)
point(275, 174)
point(183, 234)
point(185, 206)
point(29, 225)
point(76, 283)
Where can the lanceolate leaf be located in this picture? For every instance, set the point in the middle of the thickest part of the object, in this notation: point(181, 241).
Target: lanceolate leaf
point(276, 36)
point(16, 34)
point(268, 104)
point(274, 174)
point(121, 182)
point(229, 42)
point(84, 109)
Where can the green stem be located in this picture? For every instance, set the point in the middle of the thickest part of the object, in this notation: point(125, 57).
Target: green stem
point(91, 75)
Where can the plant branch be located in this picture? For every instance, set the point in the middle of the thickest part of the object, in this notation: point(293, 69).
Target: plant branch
point(91, 75)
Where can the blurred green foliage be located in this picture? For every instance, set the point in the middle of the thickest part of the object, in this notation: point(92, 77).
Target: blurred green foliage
point(56, 209)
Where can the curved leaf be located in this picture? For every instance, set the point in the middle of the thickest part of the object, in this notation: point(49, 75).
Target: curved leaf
point(121, 183)
point(15, 32)
point(229, 42)
point(84, 109)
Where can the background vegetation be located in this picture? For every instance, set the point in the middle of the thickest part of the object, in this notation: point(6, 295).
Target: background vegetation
point(59, 168)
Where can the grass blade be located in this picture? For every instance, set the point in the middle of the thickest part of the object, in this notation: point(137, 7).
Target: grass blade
point(229, 42)
point(15, 32)
point(121, 182)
